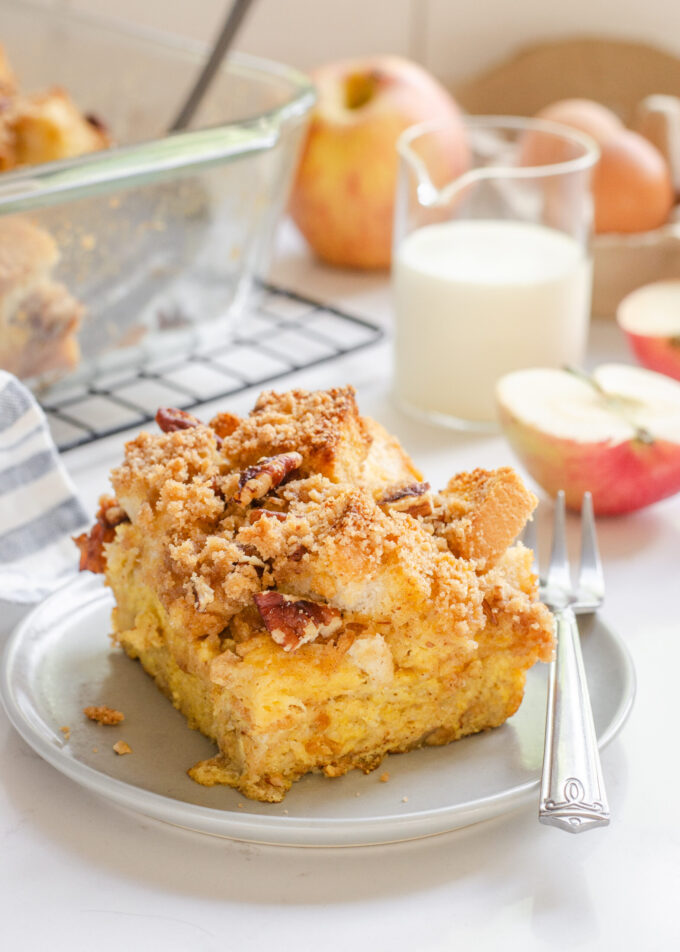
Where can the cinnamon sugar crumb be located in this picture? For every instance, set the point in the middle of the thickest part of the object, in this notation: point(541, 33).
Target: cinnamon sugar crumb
point(66, 731)
point(103, 714)
point(384, 777)
point(122, 747)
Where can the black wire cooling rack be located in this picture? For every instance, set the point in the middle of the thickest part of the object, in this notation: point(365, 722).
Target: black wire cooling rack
point(283, 333)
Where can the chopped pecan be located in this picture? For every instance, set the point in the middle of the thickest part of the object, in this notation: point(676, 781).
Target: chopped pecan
point(96, 122)
point(258, 480)
point(248, 550)
point(295, 621)
point(171, 419)
point(91, 544)
point(490, 612)
point(413, 499)
point(216, 487)
point(252, 558)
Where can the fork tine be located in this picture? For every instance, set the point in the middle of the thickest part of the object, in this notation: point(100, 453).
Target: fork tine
point(558, 577)
point(590, 585)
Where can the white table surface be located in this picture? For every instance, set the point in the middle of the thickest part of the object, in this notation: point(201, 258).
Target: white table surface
point(78, 873)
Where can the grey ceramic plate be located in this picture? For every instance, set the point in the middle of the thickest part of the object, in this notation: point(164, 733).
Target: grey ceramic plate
point(60, 659)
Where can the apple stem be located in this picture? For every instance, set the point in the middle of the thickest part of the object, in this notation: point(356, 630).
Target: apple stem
point(641, 434)
point(586, 378)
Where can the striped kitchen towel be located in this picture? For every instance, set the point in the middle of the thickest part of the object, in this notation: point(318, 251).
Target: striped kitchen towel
point(39, 508)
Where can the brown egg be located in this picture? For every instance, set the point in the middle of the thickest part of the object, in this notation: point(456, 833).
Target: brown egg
point(583, 115)
point(631, 185)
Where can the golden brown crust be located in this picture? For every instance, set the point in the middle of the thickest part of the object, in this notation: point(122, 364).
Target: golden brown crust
point(481, 513)
point(323, 426)
point(43, 127)
point(386, 463)
point(49, 126)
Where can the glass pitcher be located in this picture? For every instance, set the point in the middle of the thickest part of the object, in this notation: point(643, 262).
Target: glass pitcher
point(492, 269)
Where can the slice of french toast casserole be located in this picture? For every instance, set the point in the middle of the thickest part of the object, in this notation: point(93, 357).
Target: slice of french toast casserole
point(305, 599)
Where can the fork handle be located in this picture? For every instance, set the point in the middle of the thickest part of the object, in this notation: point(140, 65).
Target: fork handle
point(573, 796)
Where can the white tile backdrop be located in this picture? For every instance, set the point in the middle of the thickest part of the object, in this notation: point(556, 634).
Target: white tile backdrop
point(453, 38)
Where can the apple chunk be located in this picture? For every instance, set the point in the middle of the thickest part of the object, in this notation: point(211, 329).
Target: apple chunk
point(616, 433)
point(650, 319)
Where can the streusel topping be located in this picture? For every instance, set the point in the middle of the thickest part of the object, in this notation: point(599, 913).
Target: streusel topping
point(306, 499)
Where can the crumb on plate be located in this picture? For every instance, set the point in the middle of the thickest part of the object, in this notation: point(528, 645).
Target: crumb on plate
point(103, 714)
point(122, 747)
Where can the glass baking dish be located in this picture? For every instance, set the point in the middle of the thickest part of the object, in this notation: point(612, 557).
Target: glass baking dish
point(161, 239)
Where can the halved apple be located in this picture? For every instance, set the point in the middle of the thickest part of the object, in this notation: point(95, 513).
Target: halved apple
point(615, 433)
point(650, 318)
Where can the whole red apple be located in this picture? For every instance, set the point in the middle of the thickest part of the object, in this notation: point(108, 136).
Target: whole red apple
point(650, 318)
point(343, 196)
point(616, 433)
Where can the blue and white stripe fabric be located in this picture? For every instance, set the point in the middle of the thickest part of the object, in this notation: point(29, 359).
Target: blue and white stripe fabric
point(39, 508)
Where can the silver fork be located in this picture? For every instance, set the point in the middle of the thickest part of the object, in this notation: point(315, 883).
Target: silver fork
point(573, 796)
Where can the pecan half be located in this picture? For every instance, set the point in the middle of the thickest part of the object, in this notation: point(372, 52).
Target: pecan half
point(91, 544)
point(258, 480)
point(413, 499)
point(170, 419)
point(490, 612)
point(295, 621)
